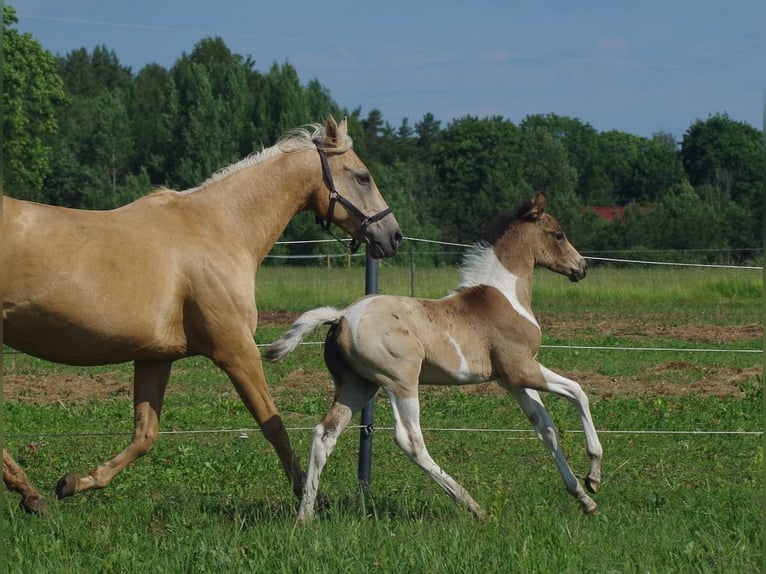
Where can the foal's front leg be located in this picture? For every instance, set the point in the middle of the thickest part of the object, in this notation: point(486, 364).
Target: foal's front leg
point(533, 407)
point(573, 392)
point(149, 382)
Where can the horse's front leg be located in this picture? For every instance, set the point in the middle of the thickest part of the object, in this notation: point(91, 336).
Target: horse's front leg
point(538, 415)
point(243, 365)
point(149, 382)
point(16, 480)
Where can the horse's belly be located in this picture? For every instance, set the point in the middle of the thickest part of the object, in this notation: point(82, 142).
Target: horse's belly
point(51, 337)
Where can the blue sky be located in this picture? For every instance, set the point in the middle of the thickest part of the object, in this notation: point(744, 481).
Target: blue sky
point(638, 67)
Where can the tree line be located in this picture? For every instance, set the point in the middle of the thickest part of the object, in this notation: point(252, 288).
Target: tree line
point(82, 130)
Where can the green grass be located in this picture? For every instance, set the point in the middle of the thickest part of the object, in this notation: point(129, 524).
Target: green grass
point(218, 502)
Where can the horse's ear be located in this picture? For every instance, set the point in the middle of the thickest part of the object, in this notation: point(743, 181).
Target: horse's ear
point(331, 131)
point(538, 204)
point(343, 128)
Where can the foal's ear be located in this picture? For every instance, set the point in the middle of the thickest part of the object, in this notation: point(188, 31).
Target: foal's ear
point(537, 207)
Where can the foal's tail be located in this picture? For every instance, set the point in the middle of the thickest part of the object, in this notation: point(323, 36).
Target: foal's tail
point(305, 324)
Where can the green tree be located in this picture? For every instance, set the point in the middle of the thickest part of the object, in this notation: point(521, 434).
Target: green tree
point(32, 89)
point(152, 109)
point(727, 156)
point(93, 147)
point(477, 166)
point(580, 142)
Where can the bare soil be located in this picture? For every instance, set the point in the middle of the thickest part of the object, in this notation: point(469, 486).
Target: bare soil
point(661, 379)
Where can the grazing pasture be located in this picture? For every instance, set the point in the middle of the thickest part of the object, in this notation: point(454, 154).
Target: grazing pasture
point(675, 497)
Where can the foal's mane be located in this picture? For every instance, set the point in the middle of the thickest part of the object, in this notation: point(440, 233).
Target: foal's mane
point(296, 139)
point(476, 265)
point(503, 222)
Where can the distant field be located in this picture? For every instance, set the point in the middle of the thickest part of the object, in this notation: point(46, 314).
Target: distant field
point(682, 478)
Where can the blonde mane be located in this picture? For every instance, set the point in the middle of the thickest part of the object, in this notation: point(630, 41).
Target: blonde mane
point(297, 139)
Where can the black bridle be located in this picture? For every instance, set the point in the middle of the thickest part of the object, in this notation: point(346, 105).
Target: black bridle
point(336, 197)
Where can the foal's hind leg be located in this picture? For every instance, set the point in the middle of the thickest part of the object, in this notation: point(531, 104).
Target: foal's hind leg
point(16, 479)
point(409, 437)
point(149, 382)
point(533, 407)
point(350, 396)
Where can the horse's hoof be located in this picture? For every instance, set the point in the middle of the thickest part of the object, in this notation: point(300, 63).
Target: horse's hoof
point(67, 486)
point(34, 505)
point(592, 485)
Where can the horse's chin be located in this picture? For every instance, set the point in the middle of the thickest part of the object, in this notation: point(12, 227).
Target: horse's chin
point(385, 247)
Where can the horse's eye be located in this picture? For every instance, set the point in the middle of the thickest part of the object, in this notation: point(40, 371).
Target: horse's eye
point(557, 235)
point(363, 179)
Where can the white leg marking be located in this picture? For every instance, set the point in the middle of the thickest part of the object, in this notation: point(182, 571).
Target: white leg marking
point(323, 443)
point(573, 392)
point(409, 437)
point(533, 407)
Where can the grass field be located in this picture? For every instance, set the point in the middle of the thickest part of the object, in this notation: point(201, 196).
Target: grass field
point(682, 477)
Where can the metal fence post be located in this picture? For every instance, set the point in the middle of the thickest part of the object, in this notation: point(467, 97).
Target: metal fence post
point(365, 433)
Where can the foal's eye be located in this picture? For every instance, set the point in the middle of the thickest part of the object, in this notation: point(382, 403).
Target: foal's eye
point(363, 179)
point(557, 235)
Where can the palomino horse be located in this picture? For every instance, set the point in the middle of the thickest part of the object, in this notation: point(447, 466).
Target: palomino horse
point(483, 331)
point(173, 275)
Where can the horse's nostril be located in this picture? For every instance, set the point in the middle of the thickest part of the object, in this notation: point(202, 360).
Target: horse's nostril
point(397, 239)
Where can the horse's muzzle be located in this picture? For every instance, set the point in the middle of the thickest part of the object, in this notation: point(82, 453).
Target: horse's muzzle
point(383, 241)
point(578, 273)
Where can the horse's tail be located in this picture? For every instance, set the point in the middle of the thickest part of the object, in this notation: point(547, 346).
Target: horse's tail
point(304, 325)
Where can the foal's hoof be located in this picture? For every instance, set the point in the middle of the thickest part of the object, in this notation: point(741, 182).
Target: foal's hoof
point(67, 486)
point(592, 485)
point(34, 505)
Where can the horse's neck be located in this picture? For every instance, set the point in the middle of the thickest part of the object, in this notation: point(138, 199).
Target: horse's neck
point(257, 202)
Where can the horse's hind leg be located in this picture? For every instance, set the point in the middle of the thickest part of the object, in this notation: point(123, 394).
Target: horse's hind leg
point(351, 395)
point(533, 407)
point(409, 437)
point(149, 382)
point(16, 479)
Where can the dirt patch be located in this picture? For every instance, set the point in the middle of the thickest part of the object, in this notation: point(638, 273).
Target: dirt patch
point(670, 378)
point(65, 389)
point(558, 326)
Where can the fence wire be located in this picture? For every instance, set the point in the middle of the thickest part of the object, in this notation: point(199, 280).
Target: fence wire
point(245, 432)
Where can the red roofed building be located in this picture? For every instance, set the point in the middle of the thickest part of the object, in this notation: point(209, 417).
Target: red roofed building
point(608, 212)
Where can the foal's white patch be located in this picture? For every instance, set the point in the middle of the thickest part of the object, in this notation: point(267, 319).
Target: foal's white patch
point(354, 316)
point(482, 267)
point(464, 374)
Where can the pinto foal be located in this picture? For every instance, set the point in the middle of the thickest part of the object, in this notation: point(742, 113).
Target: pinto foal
point(483, 331)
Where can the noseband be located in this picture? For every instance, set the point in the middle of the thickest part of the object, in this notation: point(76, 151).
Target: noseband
point(336, 197)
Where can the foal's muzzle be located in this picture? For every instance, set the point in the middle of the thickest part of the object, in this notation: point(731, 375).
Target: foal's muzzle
point(578, 273)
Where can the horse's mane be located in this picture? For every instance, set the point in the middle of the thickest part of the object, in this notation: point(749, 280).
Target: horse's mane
point(296, 139)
